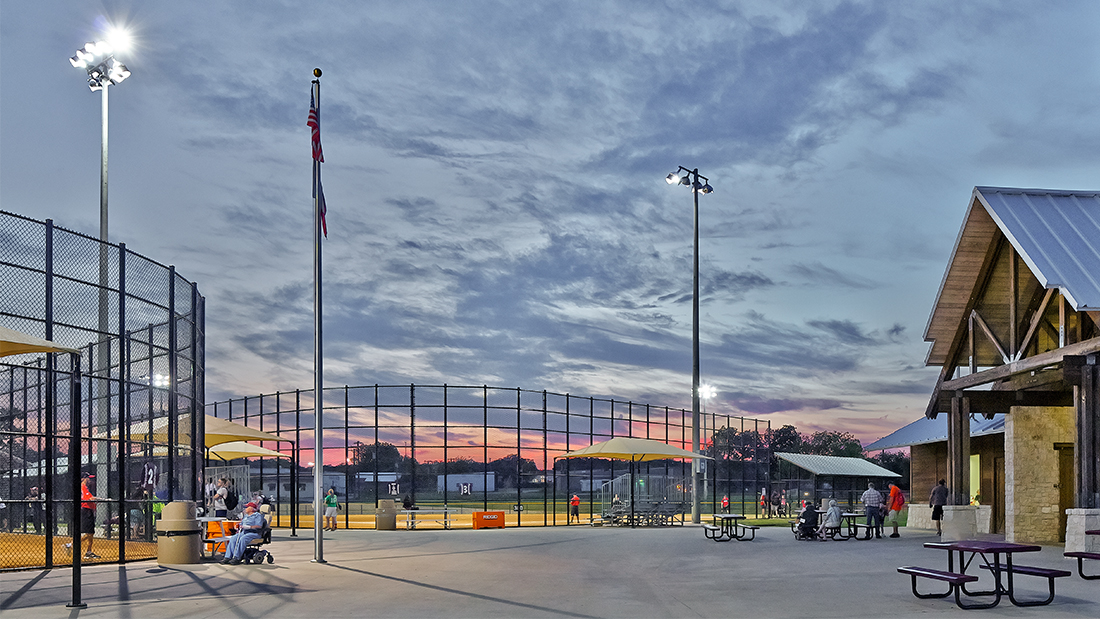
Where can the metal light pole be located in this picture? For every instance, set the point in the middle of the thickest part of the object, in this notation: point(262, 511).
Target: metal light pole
point(691, 180)
point(103, 70)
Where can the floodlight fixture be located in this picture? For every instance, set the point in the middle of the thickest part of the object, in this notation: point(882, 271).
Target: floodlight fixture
point(672, 178)
point(707, 392)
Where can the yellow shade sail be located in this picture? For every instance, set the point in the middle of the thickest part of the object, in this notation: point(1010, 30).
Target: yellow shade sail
point(633, 449)
point(15, 343)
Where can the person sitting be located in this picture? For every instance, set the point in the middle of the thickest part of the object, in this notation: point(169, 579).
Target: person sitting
point(807, 522)
point(832, 519)
point(407, 503)
point(251, 527)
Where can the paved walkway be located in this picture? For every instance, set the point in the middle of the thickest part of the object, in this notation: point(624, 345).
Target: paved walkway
point(535, 572)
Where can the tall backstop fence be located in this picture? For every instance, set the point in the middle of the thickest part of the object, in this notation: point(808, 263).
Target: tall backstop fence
point(478, 448)
point(126, 409)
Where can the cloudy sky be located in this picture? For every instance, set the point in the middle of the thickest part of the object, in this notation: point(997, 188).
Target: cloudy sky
point(495, 180)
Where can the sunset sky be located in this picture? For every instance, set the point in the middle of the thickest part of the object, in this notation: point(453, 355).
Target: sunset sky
point(495, 182)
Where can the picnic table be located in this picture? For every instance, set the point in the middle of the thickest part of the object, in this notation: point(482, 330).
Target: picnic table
point(1082, 555)
point(727, 527)
point(991, 552)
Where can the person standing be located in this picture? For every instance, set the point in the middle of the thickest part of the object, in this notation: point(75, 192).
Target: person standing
point(217, 502)
point(331, 504)
point(87, 516)
point(574, 509)
point(36, 508)
point(936, 500)
point(872, 508)
point(895, 503)
point(725, 504)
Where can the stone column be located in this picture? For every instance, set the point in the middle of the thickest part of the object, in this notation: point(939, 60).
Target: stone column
point(1078, 521)
point(959, 522)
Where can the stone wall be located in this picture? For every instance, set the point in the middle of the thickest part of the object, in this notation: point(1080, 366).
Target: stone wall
point(1031, 472)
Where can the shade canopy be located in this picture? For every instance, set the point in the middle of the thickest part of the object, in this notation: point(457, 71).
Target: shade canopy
point(239, 449)
point(15, 343)
point(218, 431)
point(633, 449)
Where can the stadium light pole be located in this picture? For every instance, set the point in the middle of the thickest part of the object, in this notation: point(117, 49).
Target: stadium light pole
point(690, 179)
point(97, 59)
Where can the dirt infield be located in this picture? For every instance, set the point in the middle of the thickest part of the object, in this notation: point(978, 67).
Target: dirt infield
point(27, 550)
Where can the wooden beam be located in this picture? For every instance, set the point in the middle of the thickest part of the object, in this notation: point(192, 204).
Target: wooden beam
point(989, 403)
point(1034, 325)
point(989, 334)
point(1051, 380)
point(1013, 302)
point(1038, 362)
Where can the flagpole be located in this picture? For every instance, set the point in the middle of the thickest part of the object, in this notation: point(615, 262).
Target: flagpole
point(318, 354)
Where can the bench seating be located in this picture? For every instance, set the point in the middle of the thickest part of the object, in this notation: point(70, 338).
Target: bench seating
point(1041, 572)
point(954, 581)
point(1081, 556)
point(714, 532)
point(870, 530)
point(749, 527)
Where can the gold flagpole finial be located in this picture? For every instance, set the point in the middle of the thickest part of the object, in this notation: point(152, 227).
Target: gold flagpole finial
point(316, 73)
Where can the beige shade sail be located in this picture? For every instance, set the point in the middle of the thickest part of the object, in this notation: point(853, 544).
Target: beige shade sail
point(15, 343)
point(633, 449)
point(240, 449)
point(218, 431)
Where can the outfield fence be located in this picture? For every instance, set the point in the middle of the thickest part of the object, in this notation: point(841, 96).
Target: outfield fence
point(482, 447)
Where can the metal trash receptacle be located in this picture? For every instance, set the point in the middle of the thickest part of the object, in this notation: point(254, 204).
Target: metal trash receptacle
point(179, 536)
point(385, 516)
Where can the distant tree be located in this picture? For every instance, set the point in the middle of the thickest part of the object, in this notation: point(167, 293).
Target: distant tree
point(832, 443)
point(511, 469)
point(897, 462)
point(377, 457)
point(462, 466)
point(786, 439)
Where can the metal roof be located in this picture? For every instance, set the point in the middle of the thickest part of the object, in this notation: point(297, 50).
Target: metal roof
point(925, 430)
point(1056, 233)
point(835, 465)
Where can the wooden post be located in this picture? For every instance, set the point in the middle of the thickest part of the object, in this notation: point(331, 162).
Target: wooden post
point(958, 451)
point(1086, 404)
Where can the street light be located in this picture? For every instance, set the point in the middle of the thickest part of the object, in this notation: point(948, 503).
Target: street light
point(691, 179)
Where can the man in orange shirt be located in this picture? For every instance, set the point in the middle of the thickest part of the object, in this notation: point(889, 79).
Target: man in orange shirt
point(87, 516)
point(895, 503)
point(574, 509)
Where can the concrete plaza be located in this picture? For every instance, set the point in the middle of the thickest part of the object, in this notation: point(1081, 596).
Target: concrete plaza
point(576, 571)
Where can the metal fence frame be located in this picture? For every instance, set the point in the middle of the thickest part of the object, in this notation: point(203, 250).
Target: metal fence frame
point(134, 321)
point(532, 425)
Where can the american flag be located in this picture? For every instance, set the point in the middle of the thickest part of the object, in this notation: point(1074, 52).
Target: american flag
point(314, 123)
point(320, 195)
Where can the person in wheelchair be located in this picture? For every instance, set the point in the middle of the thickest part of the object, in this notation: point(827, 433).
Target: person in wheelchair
point(253, 527)
point(808, 522)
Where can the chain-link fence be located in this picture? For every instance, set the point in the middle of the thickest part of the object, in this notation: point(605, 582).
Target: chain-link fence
point(488, 448)
point(120, 411)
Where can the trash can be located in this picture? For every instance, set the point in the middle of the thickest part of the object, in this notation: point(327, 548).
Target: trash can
point(385, 516)
point(179, 536)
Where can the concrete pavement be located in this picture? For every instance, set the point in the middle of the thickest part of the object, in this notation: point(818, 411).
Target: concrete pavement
point(575, 571)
